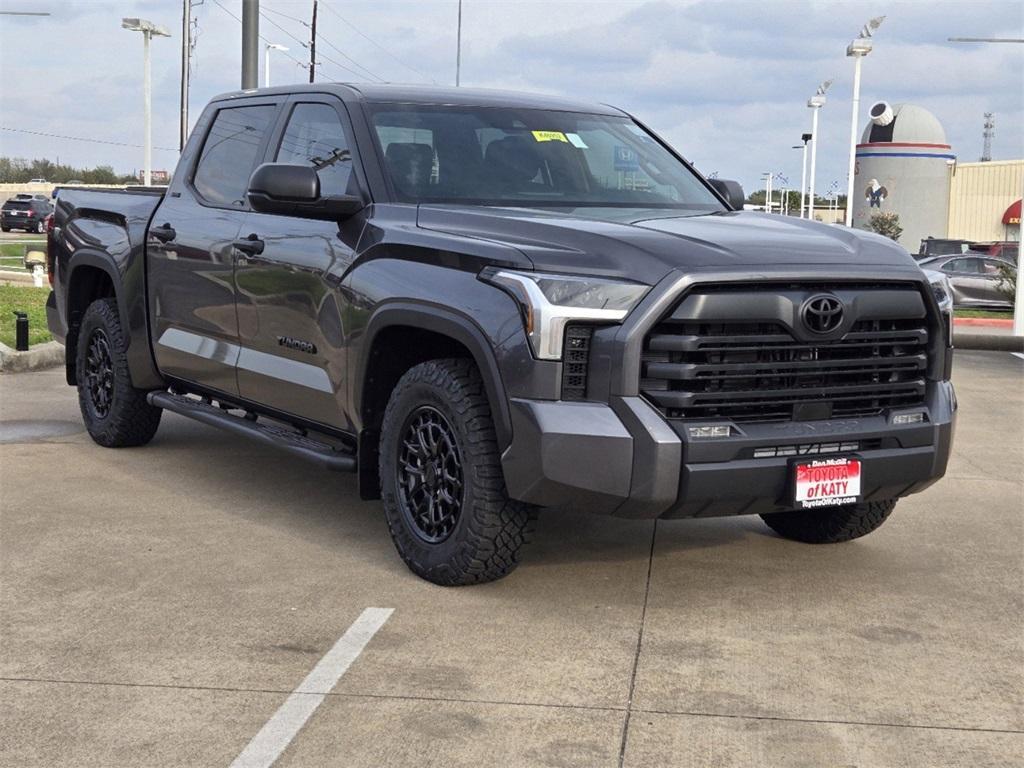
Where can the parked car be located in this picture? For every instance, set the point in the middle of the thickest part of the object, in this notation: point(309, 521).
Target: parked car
point(29, 215)
point(935, 246)
point(976, 281)
point(485, 303)
point(38, 181)
point(76, 182)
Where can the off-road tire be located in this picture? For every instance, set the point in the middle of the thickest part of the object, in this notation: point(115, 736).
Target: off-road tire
point(128, 420)
point(830, 525)
point(490, 528)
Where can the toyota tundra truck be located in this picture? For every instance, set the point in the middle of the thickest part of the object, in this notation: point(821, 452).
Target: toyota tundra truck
point(486, 303)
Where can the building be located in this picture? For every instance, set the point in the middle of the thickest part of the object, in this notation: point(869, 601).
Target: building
point(984, 200)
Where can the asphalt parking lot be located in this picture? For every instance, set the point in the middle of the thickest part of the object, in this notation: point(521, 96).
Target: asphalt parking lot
point(159, 605)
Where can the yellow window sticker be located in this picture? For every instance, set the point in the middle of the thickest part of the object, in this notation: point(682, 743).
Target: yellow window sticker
point(549, 136)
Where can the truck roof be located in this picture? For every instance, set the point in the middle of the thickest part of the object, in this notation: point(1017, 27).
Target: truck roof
point(436, 94)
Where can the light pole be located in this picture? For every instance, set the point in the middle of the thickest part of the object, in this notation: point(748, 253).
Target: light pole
point(816, 102)
point(768, 192)
point(266, 61)
point(858, 49)
point(1018, 303)
point(148, 30)
point(805, 137)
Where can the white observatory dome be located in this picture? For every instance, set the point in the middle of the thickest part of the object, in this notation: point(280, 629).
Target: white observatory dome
point(902, 123)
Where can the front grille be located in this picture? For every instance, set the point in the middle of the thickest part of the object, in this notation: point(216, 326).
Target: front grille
point(759, 371)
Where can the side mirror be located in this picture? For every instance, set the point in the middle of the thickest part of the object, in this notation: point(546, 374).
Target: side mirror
point(731, 191)
point(294, 190)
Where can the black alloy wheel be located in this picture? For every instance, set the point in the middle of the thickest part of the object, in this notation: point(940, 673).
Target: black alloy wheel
point(99, 373)
point(430, 467)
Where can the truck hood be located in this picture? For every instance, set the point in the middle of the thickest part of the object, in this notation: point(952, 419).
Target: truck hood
point(646, 245)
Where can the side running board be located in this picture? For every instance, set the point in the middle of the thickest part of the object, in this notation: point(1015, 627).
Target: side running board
point(269, 434)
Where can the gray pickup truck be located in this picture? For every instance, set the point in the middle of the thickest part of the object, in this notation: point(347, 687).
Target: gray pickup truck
point(486, 303)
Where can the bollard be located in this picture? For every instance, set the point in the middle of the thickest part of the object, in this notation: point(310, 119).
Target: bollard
point(21, 331)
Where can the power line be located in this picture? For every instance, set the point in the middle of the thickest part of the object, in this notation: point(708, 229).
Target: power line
point(236, 18)
point(285, 15)
point(304, 44)
point(370, 39)
point(81, 138)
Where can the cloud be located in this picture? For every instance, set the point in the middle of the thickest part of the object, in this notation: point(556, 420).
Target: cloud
point(726, 83)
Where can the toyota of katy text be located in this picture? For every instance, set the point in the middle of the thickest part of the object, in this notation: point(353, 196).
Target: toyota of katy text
point(486, 303)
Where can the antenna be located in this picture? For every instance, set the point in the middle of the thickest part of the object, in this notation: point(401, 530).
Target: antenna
point(988, 132)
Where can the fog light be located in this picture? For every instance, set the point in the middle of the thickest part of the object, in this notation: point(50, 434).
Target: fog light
point(908, 418)
point(716, 431)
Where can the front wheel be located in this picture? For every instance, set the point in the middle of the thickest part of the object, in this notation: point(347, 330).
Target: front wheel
point(441, 479)
point(115, 413)
point(830, 525)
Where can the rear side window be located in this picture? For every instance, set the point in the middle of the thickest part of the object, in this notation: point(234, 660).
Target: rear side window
point(964, 266)
point(230, 152)
point(315, 137)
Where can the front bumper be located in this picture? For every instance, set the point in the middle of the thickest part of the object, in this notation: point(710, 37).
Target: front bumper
point(625, 459)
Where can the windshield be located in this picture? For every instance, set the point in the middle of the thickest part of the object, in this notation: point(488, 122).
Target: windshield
point(525, 157)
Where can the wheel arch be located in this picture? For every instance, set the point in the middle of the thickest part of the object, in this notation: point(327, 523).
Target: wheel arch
point(399, 336)
point(91, 276)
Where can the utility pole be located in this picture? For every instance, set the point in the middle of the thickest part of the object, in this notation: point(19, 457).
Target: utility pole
point(312, 46)
point(186, 52)
point(458, 48)
point(250, 44)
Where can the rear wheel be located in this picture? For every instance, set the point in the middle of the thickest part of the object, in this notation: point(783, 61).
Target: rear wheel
point(442, 484)
point(115, 413)
point(39, 228)
point(830, 525)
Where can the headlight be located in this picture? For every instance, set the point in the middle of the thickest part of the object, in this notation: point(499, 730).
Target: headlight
point(944, 297)
point(549, 302)
point(943, 292)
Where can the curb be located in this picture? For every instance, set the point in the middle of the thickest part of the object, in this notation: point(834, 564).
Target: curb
point(987, 322)
point(38, 358)
point(988, 341)
point(9, 277)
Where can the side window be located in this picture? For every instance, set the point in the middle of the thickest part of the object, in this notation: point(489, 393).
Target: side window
point(229, 154)
point(315, 137)
point(961, 266)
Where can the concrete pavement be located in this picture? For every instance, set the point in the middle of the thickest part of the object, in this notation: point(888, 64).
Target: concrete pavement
point(159, 604)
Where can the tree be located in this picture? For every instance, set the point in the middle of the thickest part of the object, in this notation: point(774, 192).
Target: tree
point(1008, 281)
point(886, 224)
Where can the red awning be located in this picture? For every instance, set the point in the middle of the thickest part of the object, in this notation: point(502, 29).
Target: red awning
point(1012, 215)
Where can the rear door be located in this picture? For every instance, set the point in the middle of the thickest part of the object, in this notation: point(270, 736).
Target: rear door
point(292, 325)
point(190, 252)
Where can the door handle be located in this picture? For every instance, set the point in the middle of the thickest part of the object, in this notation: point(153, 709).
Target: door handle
point(163, 233)
point(251, 245)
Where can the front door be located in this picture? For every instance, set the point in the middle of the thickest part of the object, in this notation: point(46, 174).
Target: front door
point(190, 252)
point(291, 322)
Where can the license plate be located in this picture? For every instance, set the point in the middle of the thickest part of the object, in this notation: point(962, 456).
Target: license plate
point(827, 482)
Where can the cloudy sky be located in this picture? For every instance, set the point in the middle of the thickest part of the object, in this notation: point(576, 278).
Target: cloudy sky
point(725, 82)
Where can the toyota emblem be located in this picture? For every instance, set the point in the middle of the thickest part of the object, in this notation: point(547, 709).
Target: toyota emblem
point(822, 313)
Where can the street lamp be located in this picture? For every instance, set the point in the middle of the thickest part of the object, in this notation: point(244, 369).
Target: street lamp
point(1018, 303)
point(858, 49)
point(266, 61)
point(148, 30)
point(805, 137)
point(816, 102)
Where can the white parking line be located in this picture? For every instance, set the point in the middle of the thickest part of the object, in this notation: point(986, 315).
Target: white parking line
point(1018, 354)
point(267, 745)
